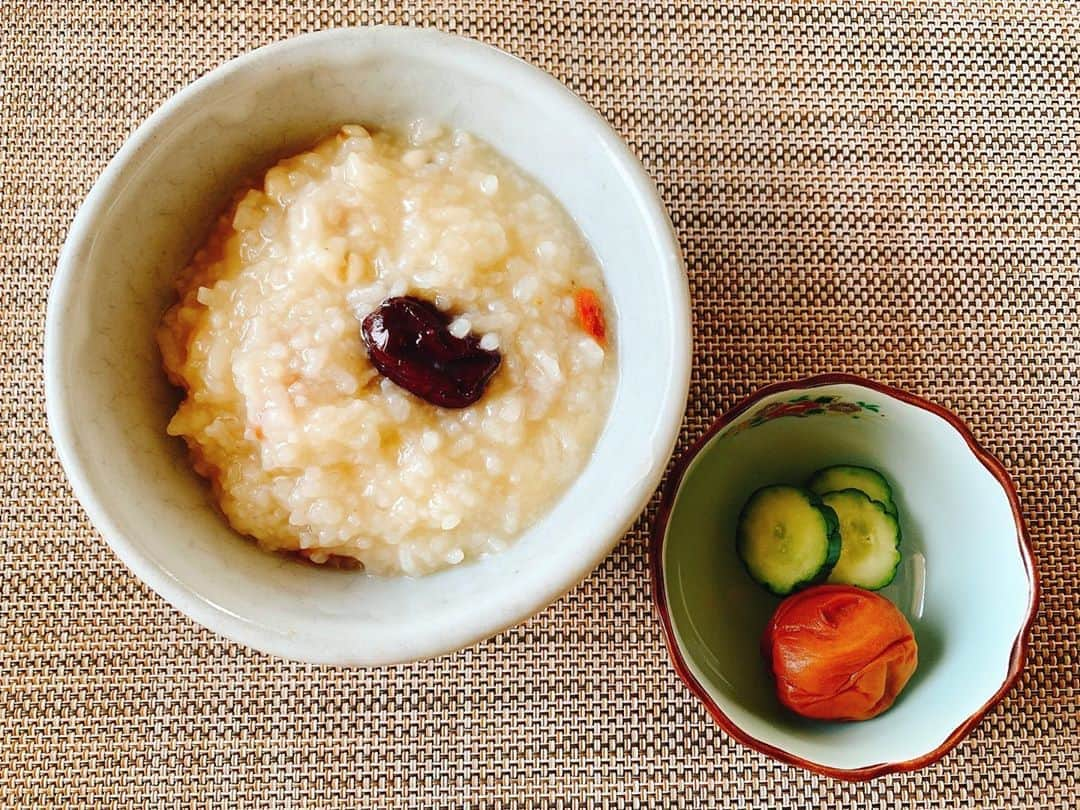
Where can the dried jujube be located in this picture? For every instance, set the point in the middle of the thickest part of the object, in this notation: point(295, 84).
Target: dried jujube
point(409, 341)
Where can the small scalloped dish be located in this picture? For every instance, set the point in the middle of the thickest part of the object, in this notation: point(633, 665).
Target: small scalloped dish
point(966, 582)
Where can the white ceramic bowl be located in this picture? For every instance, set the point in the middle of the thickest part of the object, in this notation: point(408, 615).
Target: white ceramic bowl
point(108, 401)
point(966, 582)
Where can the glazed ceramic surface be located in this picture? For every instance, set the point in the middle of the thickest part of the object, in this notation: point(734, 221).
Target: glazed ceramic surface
point(109, 402)
point(966, 581)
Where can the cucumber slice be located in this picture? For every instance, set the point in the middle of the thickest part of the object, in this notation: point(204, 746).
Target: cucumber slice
point(848, 476)
point(787, 538)
point(869, 540)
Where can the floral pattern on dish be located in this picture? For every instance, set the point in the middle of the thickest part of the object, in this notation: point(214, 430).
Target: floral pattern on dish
point(805, 406)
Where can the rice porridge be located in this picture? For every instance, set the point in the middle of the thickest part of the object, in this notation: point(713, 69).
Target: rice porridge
point(308, 445)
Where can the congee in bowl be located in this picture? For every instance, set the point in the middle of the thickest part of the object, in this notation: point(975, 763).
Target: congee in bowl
point(485, 300)
point(396, 352)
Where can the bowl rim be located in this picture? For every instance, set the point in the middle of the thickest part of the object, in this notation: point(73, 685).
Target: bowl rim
point(658, 536)
point(655, 453)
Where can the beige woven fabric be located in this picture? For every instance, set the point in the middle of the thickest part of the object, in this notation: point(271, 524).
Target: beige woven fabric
point(889, 188)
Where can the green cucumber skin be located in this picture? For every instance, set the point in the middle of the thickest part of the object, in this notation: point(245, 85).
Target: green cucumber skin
point(832, 529)
point(835, 546)
point(835, 541)
point(889, 503)
point(899, 539)
point(884, 583)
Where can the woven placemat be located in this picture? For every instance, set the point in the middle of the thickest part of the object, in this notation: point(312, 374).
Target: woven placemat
point(887, 188)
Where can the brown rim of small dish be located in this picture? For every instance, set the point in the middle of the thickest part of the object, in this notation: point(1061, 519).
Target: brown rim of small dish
point(659, 531)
